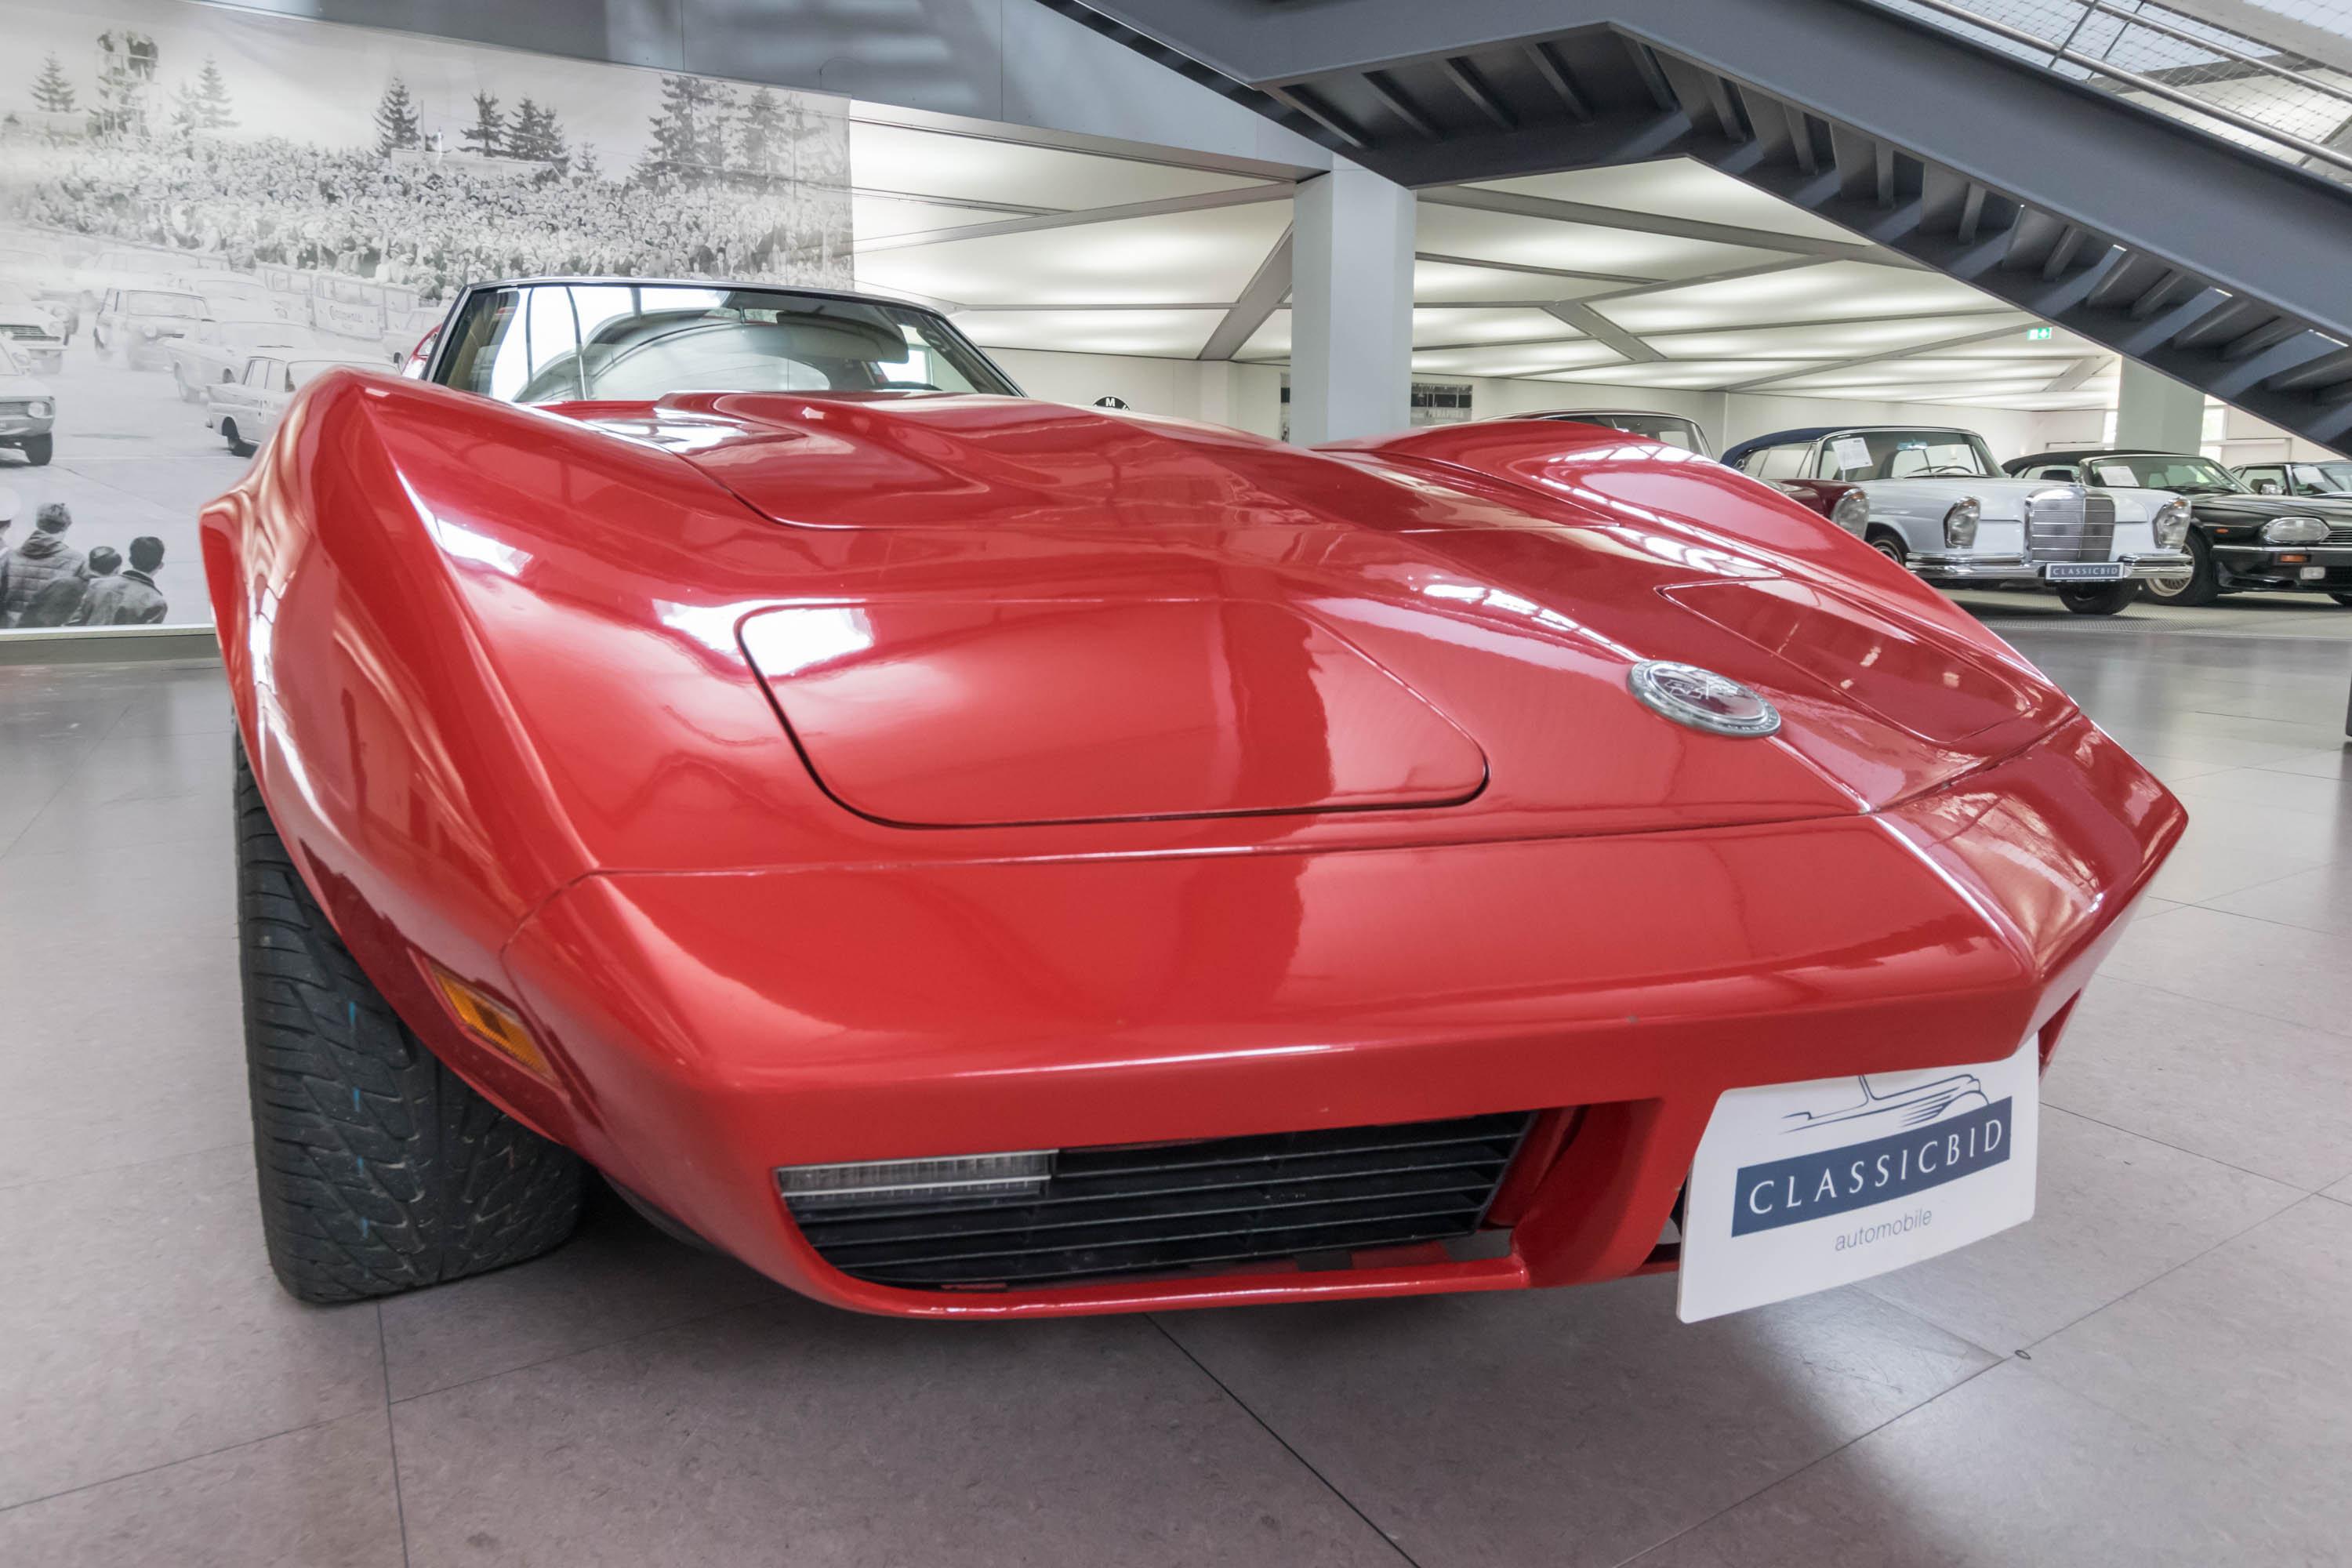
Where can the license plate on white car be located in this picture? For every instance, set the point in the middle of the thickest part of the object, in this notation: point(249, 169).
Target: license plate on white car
point(1801, 1187)
point(2084, 571)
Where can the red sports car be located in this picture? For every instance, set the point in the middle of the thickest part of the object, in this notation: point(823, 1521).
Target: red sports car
point(968, 855)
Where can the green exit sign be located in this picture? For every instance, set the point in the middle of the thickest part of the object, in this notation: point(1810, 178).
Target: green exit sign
point(2037, 334)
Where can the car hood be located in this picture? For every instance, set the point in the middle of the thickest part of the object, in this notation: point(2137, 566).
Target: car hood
point(2329, 507)
point(1065, 616)
point(23, 386)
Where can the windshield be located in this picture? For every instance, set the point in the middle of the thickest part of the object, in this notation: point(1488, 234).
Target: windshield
point(2310, 479)
point(2189, 476)
point(1669, 428)
point(555, 342)
point(149, 303)
point(1904, 455)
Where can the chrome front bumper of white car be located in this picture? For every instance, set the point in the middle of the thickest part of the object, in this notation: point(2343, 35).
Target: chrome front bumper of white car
point(1957, 568)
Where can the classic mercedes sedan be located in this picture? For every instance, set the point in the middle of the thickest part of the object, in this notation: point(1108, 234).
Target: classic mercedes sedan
point(967, 856)
point(1940, 505)
point(2239, 537)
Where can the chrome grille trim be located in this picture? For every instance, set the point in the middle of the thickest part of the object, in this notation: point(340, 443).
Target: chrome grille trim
point(2070, 525)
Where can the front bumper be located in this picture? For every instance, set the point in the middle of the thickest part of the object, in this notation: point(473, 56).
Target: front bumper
point(707, 1028)
point(1967, 568)
point(25, 427)
point(2286, 567)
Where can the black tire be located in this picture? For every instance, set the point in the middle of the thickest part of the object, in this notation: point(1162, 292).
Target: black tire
point(2201, 586)
point(2099, 599)
point(380, 1169)
point(1889, 544)
point(229, 433)
point(37, 450)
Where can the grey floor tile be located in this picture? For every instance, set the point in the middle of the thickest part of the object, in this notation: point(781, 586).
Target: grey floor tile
point(142, 1325)
point(793, 1433)
point(1567, 1426)
point(318, 1497)
point(2333, 761)
point(137, 789)
point(2319, 900)
point(2245, 1090)
point(2112, 1211)
point(617, 1276)
point(2266, 790)
point(2245, 1354)
point(190, 699)
point(2228, 848)
point(2259, 966)
point(2013, 1470)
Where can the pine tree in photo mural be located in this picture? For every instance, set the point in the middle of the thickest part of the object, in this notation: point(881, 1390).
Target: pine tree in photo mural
point(213, 113)
point(396, 118)
point(52, 93)
point(488, 133)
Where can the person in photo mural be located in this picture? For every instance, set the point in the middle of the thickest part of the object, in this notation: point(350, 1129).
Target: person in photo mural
point(43, 558)
point(130, 599)
point(62, 601)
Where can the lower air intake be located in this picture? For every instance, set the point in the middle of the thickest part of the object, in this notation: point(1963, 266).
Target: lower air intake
point(1146, 1208)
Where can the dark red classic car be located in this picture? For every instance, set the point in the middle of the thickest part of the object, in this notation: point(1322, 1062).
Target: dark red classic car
point(963, 855)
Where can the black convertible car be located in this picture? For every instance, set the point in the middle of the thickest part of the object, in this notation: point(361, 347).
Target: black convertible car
point(2237, 539)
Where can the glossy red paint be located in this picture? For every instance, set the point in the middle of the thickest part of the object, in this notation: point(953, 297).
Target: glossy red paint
point(767, 754)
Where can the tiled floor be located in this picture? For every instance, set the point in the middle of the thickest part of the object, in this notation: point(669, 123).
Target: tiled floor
point(2158, 1370)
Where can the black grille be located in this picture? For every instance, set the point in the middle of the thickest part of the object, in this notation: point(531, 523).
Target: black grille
point(2339, 534)
point(1144, 1208)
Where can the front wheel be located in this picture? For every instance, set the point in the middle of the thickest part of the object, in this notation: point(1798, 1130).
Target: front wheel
point(187, 393)
point(38, 448)
point(380, 1169)
point(2103, 599)
point(2200, 585)
point(237, 444)
point(1888, 544)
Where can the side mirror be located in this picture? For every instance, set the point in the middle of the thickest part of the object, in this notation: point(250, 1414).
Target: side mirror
point(2267, 488)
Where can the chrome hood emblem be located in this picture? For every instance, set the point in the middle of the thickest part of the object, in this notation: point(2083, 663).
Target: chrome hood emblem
point(1702, 699)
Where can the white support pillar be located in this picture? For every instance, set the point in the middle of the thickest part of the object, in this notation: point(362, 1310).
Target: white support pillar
point(1350, 306)
point(2155, 413)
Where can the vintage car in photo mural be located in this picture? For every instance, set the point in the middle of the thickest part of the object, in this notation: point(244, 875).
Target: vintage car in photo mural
point(2238, 538)
point(28, 409)
point(1940, 506)
point(246, 409)
point(968, 855)
point(216, 352)
point(33, 328)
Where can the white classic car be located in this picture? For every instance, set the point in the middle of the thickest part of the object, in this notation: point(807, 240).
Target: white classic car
point(1940, 505)
point(244, 411)
point(28, 409)
point(216, 350)
point(230, 295)
point(36, 329)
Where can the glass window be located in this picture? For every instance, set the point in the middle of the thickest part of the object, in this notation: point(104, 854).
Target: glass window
point(1905, 455)
point(1778, 462)
point(2189, 476)
point(154, 302)
point(1669, 428)
point(638, 342)
point(2322, 478)
point(259, 372)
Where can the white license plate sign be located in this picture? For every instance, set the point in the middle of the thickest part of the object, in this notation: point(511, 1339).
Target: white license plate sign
point(1801, 1187)
point(2084, 572)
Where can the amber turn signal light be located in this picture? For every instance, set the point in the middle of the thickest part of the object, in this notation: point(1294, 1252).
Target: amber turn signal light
point(488, 1020)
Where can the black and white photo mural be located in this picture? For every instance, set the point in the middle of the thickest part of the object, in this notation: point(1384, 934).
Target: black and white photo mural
point(200, 208)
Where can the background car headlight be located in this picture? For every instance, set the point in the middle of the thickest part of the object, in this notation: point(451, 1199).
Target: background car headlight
point(1851, 513)
point(1960, 523)
point(146, 331)
point(2171, 525)
point(2293, 530)
point(40, 409)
